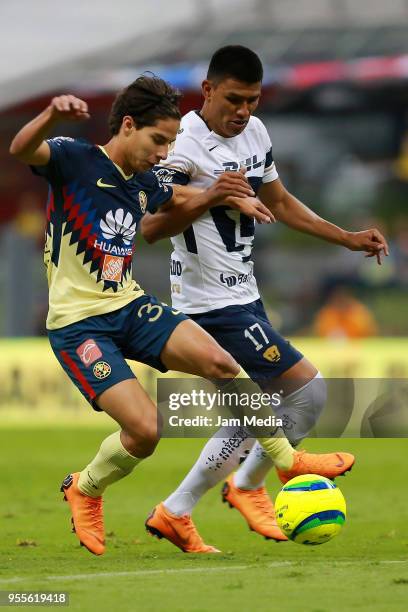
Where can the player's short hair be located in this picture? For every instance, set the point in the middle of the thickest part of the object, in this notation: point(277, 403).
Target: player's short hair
point(237, 62)
point(146, 100)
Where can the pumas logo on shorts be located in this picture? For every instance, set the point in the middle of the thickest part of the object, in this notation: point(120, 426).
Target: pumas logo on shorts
point(272, 353)
point(101, 370)
point(89, 352)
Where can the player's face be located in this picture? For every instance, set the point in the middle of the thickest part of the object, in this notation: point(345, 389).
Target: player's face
point(148, 145)
point(229, 105)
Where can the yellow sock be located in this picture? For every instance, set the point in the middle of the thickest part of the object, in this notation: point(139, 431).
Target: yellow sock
point(112, 463)
point(279, 450)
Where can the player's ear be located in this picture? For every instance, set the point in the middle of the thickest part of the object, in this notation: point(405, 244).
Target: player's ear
point(207, 88)
point(128, 123)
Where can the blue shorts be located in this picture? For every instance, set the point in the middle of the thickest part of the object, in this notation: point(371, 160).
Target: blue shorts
point(93, 351)
point(246, 332)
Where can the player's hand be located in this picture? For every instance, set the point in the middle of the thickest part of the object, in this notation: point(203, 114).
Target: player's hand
point(69, 108)
point(371, 241)
point(251, 207)
point(230, 184)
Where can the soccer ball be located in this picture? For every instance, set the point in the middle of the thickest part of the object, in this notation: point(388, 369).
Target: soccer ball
point(310, 509)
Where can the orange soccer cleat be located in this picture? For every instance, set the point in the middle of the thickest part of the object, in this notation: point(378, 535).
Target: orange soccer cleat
point(329, 465)
point(179, 530)
point(87, 515)
point(256, 507)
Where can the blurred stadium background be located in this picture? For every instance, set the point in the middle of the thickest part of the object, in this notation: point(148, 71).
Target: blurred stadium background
point(335, 102)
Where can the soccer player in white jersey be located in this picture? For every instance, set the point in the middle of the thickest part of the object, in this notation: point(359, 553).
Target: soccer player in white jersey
point(212, 281)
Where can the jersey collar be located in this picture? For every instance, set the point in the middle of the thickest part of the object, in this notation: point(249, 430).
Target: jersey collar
point(126, 177)
point(200, 121)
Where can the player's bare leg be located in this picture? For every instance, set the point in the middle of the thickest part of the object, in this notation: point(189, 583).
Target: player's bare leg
point(130, 406)
point(192, 350)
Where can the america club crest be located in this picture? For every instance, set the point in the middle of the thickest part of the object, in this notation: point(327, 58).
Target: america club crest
point(101, 370)
point(143, 201)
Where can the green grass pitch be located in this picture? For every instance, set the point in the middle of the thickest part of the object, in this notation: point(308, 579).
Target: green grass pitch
point(365, 568)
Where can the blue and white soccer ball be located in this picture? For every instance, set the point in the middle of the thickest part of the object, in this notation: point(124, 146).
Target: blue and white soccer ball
point(310, 509)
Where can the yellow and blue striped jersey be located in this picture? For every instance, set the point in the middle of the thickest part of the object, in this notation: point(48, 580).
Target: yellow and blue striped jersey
point(93, 212)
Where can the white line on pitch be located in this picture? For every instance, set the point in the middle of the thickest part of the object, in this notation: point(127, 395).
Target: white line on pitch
point(182, 570)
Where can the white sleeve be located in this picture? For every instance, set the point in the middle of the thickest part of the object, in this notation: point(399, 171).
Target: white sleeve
point(178, 168)
point(270, 172)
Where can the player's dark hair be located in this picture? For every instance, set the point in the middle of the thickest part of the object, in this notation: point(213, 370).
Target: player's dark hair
point(146, 100)
point(237, 62)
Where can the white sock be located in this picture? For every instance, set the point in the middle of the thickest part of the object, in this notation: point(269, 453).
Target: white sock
point(219, 457)
point(253, 471)
point(224, 451)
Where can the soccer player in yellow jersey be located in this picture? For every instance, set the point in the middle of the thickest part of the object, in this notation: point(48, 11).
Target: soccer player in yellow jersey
point(98, 315)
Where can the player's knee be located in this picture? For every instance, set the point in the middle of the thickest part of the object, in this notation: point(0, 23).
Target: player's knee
point(304, 407)
point(219, 364)
point(319, 397)
point(141, 439)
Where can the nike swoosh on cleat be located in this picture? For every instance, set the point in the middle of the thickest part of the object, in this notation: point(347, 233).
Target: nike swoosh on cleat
point(100, 183)
point(341, 461)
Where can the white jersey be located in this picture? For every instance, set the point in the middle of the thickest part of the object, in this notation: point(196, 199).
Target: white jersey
point(211, 264)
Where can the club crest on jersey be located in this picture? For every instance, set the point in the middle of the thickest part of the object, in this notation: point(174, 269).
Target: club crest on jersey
point(143, 201)
point(88, 352)
point(101, 370)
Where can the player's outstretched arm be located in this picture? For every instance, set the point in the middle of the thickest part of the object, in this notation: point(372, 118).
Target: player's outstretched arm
point(189, 203)
point(298, 216)
point(29, 145)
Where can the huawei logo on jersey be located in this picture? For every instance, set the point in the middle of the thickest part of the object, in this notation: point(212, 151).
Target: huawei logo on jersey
point(118, 227)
